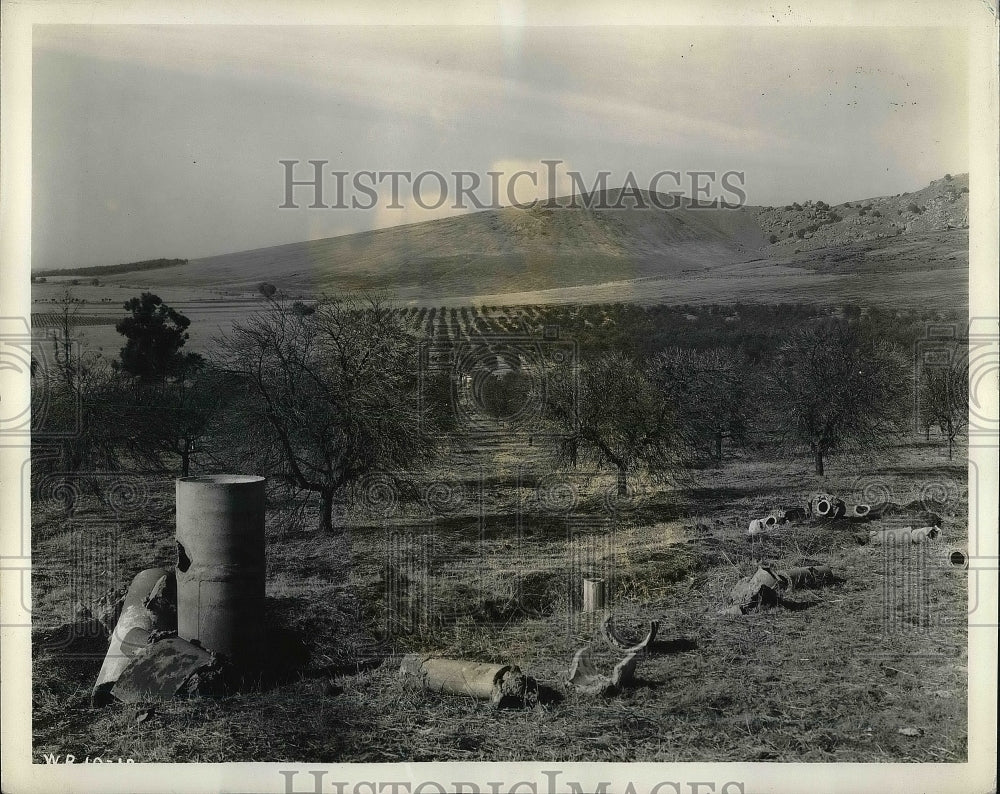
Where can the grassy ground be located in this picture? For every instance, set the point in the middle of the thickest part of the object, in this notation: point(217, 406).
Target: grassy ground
point(490, 571)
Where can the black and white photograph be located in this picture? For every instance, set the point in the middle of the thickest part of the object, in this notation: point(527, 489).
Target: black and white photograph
point(505, 399)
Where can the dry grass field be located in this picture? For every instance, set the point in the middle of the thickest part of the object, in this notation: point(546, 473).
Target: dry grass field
point(481, 553)
point(488, 566)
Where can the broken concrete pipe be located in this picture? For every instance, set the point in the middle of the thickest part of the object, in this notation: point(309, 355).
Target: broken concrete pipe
point(593, 594)
point(830, 507)
point(167, 668)
point(503, 685)
point(761, 525)
point(767, 586)
point(221, 564)
point(586, 678)
point(903, 535)
point(148, 607)
point(622, 644)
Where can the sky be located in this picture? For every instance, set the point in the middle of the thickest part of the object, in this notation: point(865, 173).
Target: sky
point(165, 141)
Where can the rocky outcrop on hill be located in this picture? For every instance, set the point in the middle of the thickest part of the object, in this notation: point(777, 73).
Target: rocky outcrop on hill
point(942, 205)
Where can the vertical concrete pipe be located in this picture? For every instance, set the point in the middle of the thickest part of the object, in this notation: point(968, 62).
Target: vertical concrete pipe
point(221, 564)
point(593, 594)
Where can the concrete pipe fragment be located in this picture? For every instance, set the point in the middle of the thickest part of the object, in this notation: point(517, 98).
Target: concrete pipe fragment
point(903, 535)
point(623, 644)
point(792, 514)
point(859, 511)
point(810, 576)
point(768, 586)
point(820, 503)
point(501, 684)
point(593, 595)
point(168, 668)
point(221, 565)
point(586, 678)
point(760, 590)
point(145, 609)
point(830, 507)
point(761, 525)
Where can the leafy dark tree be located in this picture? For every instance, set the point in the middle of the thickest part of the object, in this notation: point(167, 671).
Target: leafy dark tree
point(154, 336)
point(613, 412)
point(837, 387)
point(944, 397)
point(330, 396)
point(267, 289)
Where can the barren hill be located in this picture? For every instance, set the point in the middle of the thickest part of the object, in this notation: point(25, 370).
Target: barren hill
point(544, 252)
point(502, 250)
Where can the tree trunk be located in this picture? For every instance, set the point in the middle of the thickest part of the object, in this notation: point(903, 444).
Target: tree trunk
point(572, 452)
point(326, 511)
point(818, 457)
point(185, 458)
point(622, 482)
point(718, 446)
point(951, 439)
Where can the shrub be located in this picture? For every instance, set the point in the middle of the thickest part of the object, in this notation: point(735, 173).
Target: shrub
point(773, 239)
point(800, 233)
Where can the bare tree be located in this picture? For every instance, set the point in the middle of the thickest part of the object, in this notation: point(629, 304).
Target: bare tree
point(944, 397)
point(712, 391)
point(82, 397)
point(835, 387)
point(614, 413)
point(63, 338)
point(331, 395)
point(179, 417)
